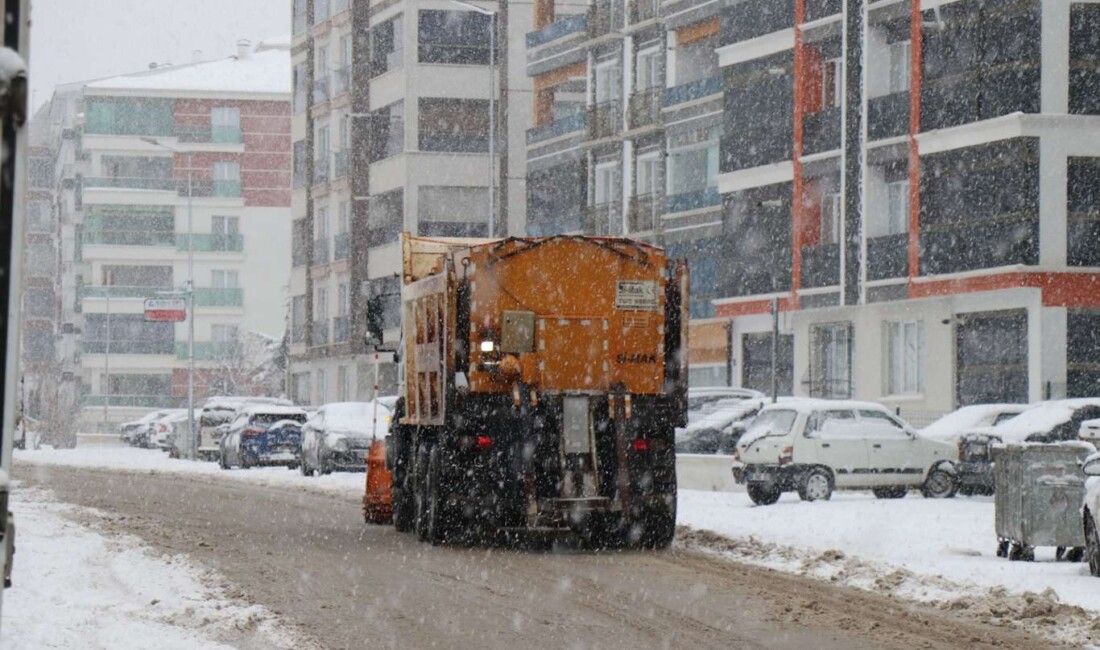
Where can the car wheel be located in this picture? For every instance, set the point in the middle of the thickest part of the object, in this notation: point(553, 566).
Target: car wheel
point(1021, 553)
point(434, 527)
point(1002, 548)
point(817, 485)
point(966, 490)
point(940, 484)
point(1092, 545)
point(891, 492)
point(1075, 554)
point(221, 461)
point(764, 494)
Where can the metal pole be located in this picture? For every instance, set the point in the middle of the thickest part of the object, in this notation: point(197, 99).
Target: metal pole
point(492, 122)
point(775, 350)
point(107, 359)
point(374, 396)
point(192, 441)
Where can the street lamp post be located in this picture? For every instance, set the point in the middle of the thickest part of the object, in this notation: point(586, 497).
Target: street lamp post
point(492, 105)
point(192, 440)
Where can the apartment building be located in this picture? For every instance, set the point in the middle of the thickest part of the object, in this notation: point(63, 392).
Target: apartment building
point(149, 167)
point(391, 133)
point(912, 183)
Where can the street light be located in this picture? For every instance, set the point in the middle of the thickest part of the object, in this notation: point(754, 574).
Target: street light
point(192, 441)
point(492, 104)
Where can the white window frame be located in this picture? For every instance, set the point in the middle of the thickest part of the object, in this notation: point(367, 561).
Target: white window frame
point(226, 170)
point(343, 225)
point(610, 172)
point(897, 207)
point(900, 53)
point(321, 226)
point(225, 116)
point(651, 163)
point(647, 68)
point(320, 304)
point(225, 225)
point(831, 218)
point(905, 353)
point(342, 299)
point(225, 279)
point(712, 149)
point(837, 75)
point(609, 82)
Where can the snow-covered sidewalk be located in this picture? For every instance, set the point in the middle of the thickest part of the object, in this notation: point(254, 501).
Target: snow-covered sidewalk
point(76, 588)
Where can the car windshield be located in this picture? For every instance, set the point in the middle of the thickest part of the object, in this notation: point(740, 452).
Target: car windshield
point(777, 422)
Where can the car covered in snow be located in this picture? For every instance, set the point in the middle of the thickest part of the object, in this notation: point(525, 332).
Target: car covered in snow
point(715, 427)
point(814, 446)
point(136, 432)
point(700, 397)
point(223, 410)
point(976, 418)
point(1091, 513)
point(1052, 421)
point(339, 435)
point(262, 435)
point(1090, 431)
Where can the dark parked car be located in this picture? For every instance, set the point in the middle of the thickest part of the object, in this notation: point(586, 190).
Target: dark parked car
point(338, 436)
point(263, 435)
point(1054, 421)
point(716, 427)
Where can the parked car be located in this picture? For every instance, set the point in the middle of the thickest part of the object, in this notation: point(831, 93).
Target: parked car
point(815, 446)
point(1053, 421)
point(338, 437)
point(716, 427)
point(222, 410)
point(698, 398)
point(136, 432)
point(1091, 512)
point(162, 431)
point(261, 435)
point(976, 418)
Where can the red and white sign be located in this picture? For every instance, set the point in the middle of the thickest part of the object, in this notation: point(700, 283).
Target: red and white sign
point(165, 310)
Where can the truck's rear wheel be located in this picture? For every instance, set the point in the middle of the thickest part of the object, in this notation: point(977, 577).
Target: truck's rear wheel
point(432, 518)
point(404, 503)
point(763, 494)
point(660, 528)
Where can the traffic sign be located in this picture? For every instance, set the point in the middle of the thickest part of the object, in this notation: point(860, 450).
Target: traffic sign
point(165, 310)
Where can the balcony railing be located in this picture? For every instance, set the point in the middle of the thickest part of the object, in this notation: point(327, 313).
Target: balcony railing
point(320, 91)
point(454, 142)
point(119, 346)
point(226, 188)
point(572, 124)
point(320, 252)
point(604, 17)
point(340, 164)
point(557, 29)
point(888, 256)
point(116, 291)
point(214, 297)
point(320, 169)
point(603, 219)
point(821, 266)
point(645, 213)
point(643, 10)
point(211, 243)
point(604, 119)
point(822, 131)
point(218, 134)
point(320, 332)
point(133, 183)
point(888, 116)
point(340, 81)
point(128, 238)
point(693, 90)
point(695, 200)
point(340, 245)
point(134, 401)
point(645, 108)
point(340, 329)
point(208, 350)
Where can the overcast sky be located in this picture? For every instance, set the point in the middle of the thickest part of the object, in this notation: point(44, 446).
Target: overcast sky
point(74, 40)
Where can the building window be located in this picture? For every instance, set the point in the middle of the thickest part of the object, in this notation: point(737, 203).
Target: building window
point(899, 67)
point(343, 224)
point(649, 169)
point(387, 126)
point(905, 358)
point(227, 179)
point(225, 279)
point(831, 360)
point(897, 208)
point(693, 169)
point(696, 60)
point(321, 224)
point(322, 387)
point(223, 333)
point(321, 68)
point(320, 304)
point(454, 37)
point(342, 392)
point(300, 164)
point(301, 87)
point(456, 125)
point(387, 46)
point(225, 124)
point(648, 70)
point(342, 300)
point(386, 217)
point(453, 211)
point(832, 83)
point(606, 190)
point(830, 218)
point(609, 82)
point(297, 319)
point(303, 391)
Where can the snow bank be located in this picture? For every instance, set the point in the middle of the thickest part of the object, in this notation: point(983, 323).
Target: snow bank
point(75, 588)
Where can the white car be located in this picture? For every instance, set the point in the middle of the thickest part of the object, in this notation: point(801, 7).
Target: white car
point(1091, 512)
point(815, 446)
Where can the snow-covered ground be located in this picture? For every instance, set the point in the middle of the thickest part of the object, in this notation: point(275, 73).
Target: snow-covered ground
point(939, 551)
point(76, 588)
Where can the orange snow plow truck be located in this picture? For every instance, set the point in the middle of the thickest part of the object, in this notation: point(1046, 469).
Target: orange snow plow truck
point(543, 379)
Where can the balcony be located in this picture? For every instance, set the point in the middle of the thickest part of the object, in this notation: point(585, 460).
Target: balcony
point(224, 188)
point(133, 183)
point(557, 29)
point(320, 252)
point(211, 243)
point(340, 164)
point(821, 266)
point(134, 401)
point(341, 243)
point(216, 134)
point(604, 17)
point(340, 81)
point(128, 238)
point(643, 10)
point(888, 116)
point(213, 297)
point(817, 9)
point(821, 131)
point(116, 291)
point(645, 108)
point(320, 333)
point(696, 200)
point(320, 169)
point(119, 346)
point(567, 125)
point(320, 91)
point(602, 219)
point(888, 257)
point(340, 329)
point(208, 350)
point(604, 119)
point(645, 213)
point(320, 11)
point(453, 142)
point(691, 91)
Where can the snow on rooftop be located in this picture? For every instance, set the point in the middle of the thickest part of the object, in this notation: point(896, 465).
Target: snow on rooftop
point(264, 71)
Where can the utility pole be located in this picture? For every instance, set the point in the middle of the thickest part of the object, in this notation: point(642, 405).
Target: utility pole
point(107, 359)
point(775, 350)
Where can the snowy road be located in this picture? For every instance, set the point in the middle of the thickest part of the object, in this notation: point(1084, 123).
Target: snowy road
point(307, 557)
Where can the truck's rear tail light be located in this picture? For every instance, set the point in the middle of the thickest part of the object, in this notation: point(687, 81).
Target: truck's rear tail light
point(484, 442)
point(641, 444)
point(786, 456)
